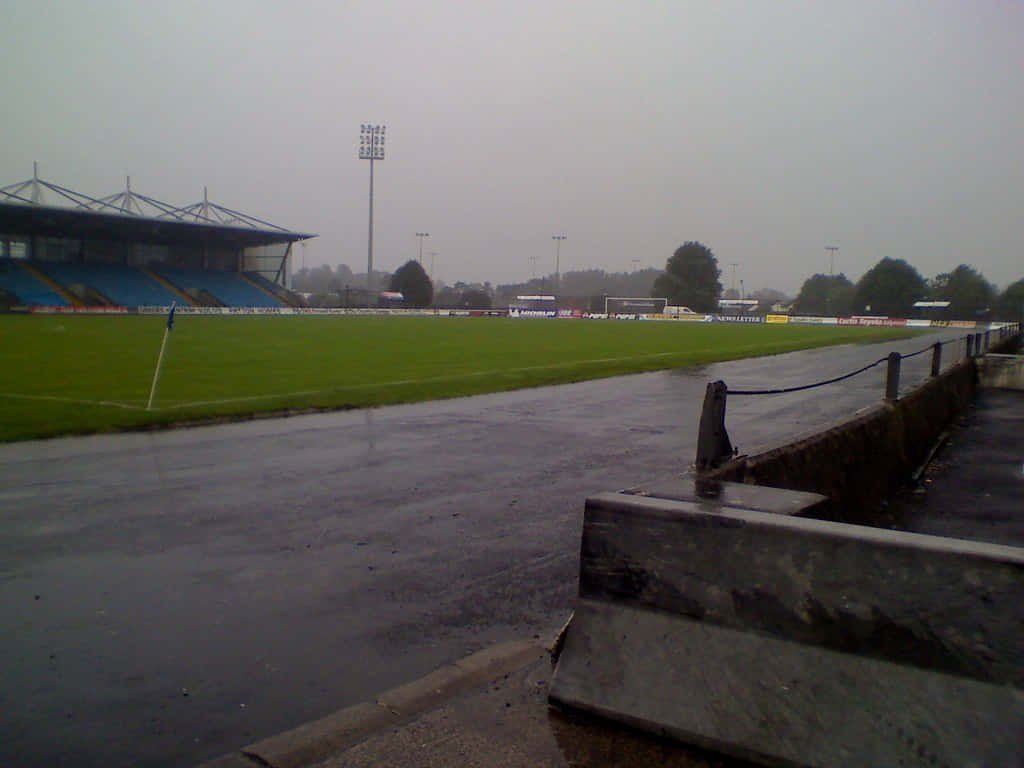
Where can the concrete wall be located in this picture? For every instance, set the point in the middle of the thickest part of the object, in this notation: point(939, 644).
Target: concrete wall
point(857, 463)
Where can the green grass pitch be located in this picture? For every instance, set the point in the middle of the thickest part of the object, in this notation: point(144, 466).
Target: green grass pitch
point(80, 374)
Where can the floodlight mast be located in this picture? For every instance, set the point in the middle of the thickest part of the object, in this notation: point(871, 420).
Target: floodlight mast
point(831, 266)
point(421, 235)
point(558, 253)
point(371, 147)
point(831, 257)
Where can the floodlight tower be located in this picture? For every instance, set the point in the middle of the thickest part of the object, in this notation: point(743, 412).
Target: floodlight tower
point(371, 147)
point(558, 252)
point(831, 266)
point(421, 235)
point(831, 257)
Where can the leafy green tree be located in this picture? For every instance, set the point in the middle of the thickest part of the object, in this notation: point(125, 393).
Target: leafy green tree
point(968, 292)
point(768, 297)
point(690, 278)
point(1011, 302)
point(447, 298)
point(594, 284)
point(476, 298)
point(889, 288)
point(825, 295)
point(414, 284)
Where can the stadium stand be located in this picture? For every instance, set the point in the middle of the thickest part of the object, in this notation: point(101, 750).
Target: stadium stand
point(122, 285)
point(132, 250)
point(230, 288)
point(282, 293)
point(24, 286)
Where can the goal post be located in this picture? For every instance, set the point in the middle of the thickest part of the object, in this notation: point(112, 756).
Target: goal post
point(623, 305)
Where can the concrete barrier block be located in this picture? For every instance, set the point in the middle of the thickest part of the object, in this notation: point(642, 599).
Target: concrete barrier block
point(712, 495)
point(775, 702)
point(691, 620)
point(1002, 372)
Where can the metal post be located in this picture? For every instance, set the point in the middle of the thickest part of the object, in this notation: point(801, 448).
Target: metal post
point(421, 235)
point(987, 333)
point(892, 378)
point(970, 344)
point(713, 445)
point(831, 266)
point(936, 358)
point(369, 240)
point(371, 147)
point(558, 252)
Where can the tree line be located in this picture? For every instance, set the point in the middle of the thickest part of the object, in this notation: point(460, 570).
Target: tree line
point(691, 278)
point(890, 288)
point(342, 287)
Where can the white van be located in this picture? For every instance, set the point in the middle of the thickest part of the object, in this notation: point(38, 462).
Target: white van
point(677, 311)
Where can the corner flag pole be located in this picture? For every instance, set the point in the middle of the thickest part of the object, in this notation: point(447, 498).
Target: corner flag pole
point(160, 359)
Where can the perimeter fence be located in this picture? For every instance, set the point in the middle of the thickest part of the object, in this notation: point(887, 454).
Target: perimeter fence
point(714, 446)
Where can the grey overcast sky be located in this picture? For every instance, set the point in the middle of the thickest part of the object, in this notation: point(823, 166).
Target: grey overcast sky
point(766, 130)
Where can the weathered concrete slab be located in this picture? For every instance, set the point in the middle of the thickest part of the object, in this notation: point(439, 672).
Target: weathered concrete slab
point(712, 495)
point(778, 702)
point(801, 641)
point(1001, 371)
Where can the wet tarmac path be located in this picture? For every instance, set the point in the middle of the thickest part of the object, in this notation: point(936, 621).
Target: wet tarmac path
point(168, 597)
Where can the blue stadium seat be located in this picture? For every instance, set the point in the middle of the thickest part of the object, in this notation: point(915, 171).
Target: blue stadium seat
point(230, 288)
point(123, 285)
point(26, 287)
point(261, 281)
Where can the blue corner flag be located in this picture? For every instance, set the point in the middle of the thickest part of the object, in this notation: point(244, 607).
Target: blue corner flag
point(160, 359)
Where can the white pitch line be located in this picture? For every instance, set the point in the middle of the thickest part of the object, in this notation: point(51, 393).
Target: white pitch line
point(401, 382)
point(190, 403)
point(395, 383)
point(77, 401)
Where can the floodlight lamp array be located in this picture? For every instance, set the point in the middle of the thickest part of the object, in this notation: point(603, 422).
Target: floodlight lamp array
point(371, 141)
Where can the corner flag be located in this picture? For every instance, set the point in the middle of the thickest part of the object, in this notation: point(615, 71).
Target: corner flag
point(160, 359)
